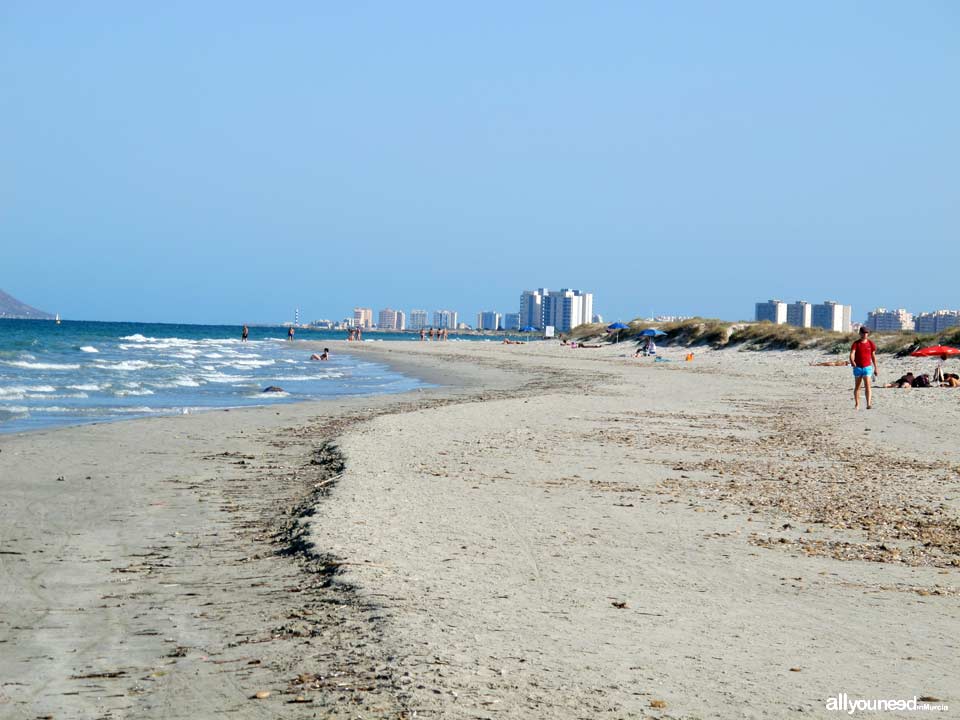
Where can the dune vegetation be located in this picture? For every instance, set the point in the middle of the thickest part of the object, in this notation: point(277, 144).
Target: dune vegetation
point(760, 336)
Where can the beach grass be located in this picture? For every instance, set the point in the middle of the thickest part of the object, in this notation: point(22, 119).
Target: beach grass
point(763, 336)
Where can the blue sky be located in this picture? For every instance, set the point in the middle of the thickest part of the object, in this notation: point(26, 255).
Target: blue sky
point(228, 161)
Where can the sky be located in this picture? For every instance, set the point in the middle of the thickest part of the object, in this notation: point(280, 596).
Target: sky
point(231, 161)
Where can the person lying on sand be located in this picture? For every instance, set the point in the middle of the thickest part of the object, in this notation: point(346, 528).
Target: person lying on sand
point(950, 380)
point(904, 382)
point(506, 341)
point(831, 363)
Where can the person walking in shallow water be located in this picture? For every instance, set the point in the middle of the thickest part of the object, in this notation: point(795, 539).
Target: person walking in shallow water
point(244, 334)
point(290, 334)
point(863, 358)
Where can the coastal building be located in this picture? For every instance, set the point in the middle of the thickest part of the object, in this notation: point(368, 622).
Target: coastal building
point(445, 319)
point(800, 314)
point(562, 309)
point(511, 321)
point(531, 308)
point(934, 322)
point(390, 319)
point(489, 320)
point(831, 315)
point(883, 320)
point(568, 309)
point(670, 318)
point(597, 318)
point(774, 311)
point(363, 318)
point(418, 319)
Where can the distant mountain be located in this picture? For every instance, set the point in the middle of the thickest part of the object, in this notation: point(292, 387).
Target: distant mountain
point(10, 307)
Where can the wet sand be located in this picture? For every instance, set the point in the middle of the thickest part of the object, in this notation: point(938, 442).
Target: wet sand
point(554, 533)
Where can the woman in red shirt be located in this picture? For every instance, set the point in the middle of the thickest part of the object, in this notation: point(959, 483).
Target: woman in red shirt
point(863, 357)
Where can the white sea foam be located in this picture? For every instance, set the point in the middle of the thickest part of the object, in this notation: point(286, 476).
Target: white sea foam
point(249, 363)
point(21, 389)
point(15, 409)
point(86, 387)
point(125, 365)
point(219, 377)
point(137, 338)
point(34, 396)
point(268, 395)
point(125, 393)
point(42, 366)
point(295, 378)
point(89, 349)
point(182, 381)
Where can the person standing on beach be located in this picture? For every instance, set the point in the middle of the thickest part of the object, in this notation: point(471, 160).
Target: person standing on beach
point(290, 334)
point(244, 334)
point(863, 358)
point(422, 333)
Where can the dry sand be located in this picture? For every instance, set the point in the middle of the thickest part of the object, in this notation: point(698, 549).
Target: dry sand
point(555, 534)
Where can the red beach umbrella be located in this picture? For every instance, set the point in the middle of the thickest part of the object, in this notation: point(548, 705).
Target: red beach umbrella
point(942, 351)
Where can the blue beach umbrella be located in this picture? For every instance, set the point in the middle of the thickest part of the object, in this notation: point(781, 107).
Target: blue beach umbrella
point(618, 326)
point(652, 332)
point(528, 328)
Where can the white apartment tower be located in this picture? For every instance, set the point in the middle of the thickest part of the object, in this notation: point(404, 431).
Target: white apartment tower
point(564, 309)
point(883, 320)
point(531, 308)
point(445, 319)
point(832, 316)
point(488, 320)
point(418, 319)
point(511, 321)
point(800, 314)
point(390, 319)
point(934, 322)
point(363, 318)
point(774, 311)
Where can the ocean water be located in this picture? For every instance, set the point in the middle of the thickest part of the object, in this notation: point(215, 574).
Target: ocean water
point(82, 372)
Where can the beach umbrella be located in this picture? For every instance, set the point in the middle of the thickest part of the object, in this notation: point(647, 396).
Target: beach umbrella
point(618, 326)
point(652, 332)
point(941, 351)
point(528, 329)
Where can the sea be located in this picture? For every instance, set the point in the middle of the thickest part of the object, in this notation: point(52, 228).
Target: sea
point(77, 372)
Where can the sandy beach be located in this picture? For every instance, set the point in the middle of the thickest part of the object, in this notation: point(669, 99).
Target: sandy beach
point(546, 533)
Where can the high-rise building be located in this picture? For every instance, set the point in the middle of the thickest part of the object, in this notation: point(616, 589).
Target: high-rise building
point(774, 311)
point(566, 308)
point(488, 320)
point(445, 319)
point(511, 321)
point(800, 314)
point(418, 319)
point(363, 318)
point(832, 316)
point(563, 309)
point(390, 319)
point(531, 308)
point(934, 322)
point(883, 320)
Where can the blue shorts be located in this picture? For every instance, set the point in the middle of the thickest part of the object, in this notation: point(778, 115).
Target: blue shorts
point(863, 372)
